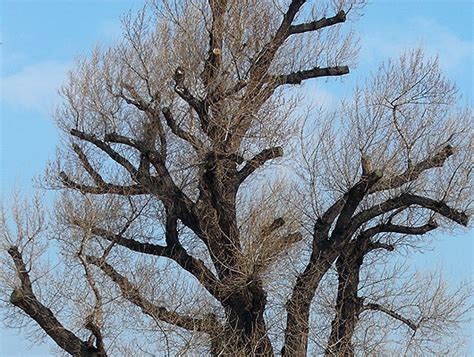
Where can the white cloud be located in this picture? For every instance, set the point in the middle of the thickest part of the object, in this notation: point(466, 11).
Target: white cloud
point(436, 39)
point(34, 86)
point(439, 40)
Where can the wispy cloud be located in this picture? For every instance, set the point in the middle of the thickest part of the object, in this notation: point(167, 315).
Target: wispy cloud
point(35, 86)
point(436, 39)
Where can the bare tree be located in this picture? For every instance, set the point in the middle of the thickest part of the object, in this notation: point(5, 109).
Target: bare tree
point(174, 232)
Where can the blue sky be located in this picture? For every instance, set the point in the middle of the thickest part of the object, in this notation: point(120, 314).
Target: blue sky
point(40, 40)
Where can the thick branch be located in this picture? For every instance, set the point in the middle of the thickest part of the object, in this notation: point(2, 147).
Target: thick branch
point(394, 228)
point(391, 313)
point(198, 105)
point(317, 24)
point(355, 195)
point(300, 76)
point(121, 139)
point(183, 134)
point(266, 55)
point(406, 200)
point(105, 188)
point(107, 149)
point(413, 172)
point(257, 161)
point(132, 294)
point(177, 253)
point(87, 165)
point(25, 299)
point(216, 35)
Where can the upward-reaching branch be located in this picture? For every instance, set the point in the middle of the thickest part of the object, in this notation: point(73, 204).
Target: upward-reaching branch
point(414, 171)
point(216, 36)
point(107, 149)
point(267, 54)
point(24, 298)
point(257, 161)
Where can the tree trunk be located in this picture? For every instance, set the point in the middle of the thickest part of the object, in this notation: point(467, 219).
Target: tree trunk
point(299, 304)
point(348, 305)
point(246, 332)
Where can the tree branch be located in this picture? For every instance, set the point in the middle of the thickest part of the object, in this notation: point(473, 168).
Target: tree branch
point(413, 172)
point(106, 188)
point(300, 76)
point(391, 313)
point(175, 252)
point(87, 166)
point(107, 149)
point(216, 35)
point(353, 198)
point(24, 298)
point(265, 57)
point(394, 228)
point(317, 24)
point(199, 106)
point(161, 185)
point(406, 200)
point(183, 134)
point(257, 161)
point(132, 294)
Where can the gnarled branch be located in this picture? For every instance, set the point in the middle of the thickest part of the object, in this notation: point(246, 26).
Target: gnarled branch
point(24, 298)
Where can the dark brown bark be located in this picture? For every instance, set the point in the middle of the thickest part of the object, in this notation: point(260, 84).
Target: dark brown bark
point(349, 305)
point(24, 298)
point(326, 248)
point(212, 216)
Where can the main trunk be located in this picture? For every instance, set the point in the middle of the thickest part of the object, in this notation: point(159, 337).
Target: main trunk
point(246, 332)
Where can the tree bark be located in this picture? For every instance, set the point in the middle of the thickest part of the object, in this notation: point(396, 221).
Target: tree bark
point(348, 304)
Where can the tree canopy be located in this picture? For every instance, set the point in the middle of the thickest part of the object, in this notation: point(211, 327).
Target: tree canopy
point(202, 210)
